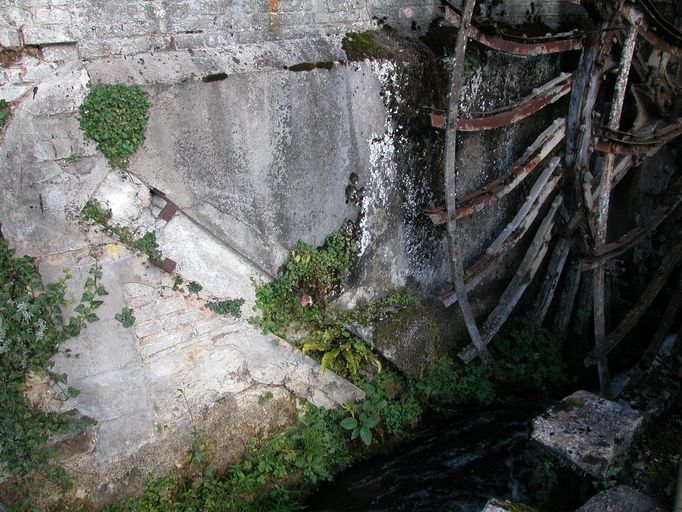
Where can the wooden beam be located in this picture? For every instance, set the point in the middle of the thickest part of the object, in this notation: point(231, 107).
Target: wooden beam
point(602, 214)
point(522, 278)
point(542, 96)
point(456, 263)
point(643, 303)
point(524, 47)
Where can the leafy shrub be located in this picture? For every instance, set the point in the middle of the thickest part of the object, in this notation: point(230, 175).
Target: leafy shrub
point(527, 358)
point(32, 328)
point(340, 350)
point(115, 117)
point(307, 271)
point(448, 382)
point(403, 413)
point(365, 415)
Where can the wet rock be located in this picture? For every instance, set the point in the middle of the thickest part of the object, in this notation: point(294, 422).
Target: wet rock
point(495, 505)
point(622, 499)
point(587, 431)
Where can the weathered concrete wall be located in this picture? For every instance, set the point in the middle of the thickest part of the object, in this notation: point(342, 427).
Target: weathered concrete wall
point(102, 28)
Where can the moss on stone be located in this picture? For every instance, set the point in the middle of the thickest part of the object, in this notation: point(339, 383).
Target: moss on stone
point(362, 45)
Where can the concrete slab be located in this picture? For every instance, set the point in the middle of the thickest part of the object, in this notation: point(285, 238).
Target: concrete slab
point(587, 431)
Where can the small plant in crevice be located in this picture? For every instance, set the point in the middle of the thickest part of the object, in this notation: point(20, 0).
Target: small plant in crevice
point(94, 212)
point(147, 245)
point(115, 116)
point(265, 398)
point(194, 287)
point(33, 325)
point(227, 307)
point(125, 317)
point(4, 112)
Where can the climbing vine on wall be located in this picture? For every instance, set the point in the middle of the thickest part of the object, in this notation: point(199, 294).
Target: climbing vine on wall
point(33, 325)
point(115, 116)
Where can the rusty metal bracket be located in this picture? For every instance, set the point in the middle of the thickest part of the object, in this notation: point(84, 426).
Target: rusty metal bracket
point(620, 143)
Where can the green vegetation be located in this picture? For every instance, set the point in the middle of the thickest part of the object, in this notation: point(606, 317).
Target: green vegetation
point(366, 415)
point(526, 360)
point(95, 212)
point(33, 325)
point(227, 307)
point(4, 112)
point(362, 45)
point(125, 317)
point(115, 117)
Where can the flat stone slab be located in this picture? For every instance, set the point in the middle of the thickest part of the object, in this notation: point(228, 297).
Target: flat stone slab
point(587, 431)
point(622, 499)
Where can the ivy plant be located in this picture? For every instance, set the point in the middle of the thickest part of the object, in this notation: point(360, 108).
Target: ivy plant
point(33, 325)
point(125, 317)
point(115, 116)
point(227, 307)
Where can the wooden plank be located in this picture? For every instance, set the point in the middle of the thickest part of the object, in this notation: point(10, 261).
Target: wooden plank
point(543, 146)
point(475, 274)
point(634, 236)
point(517, 286)
point(554, 270)
point(669, 317)
point(643, 303)
point(531, 199)
point(456, 259)
point(567, 300)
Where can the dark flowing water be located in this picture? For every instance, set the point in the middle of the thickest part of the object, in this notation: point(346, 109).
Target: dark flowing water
point(452, 464)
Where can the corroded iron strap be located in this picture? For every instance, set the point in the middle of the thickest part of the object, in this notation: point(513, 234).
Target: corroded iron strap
point(555, 44)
